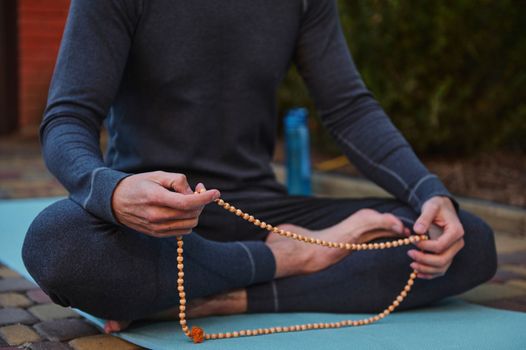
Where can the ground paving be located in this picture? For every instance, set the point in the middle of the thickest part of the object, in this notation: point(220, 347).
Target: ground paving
point(29, 319)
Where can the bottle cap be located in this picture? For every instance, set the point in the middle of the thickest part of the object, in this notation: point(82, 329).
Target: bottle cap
point(296, 117)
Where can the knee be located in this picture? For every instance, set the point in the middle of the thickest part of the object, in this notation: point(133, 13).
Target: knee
point(47, 246)
point(479, 252)
point(80, 261)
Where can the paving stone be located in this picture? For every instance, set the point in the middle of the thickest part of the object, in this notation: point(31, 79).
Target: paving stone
point(65, 329)
point(15, 285)
point(493, 291)
point(503, 276)
point(514, 304)
point(18, 334)
point(514, 258)
point(8, 273)
point(102, 342)
point(48, 345)
point(12, 315)
point(507, 244)
point(14, 300)
point(517, 283)
point(47, 312)
point(38, 296)
point(521, 270)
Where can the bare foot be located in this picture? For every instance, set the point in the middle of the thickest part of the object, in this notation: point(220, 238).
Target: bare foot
point(295, 257)
point(112, 326)
point(232, 302)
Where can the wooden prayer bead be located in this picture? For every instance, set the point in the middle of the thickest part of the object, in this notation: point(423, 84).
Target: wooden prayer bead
point(200, 335)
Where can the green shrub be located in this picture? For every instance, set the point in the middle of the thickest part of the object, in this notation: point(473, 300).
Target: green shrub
point(450, 74)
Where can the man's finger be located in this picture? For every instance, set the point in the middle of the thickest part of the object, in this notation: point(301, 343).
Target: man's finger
point(200, 188)
point(429, 270)
point(429, 213)
point(173, 181)
point(436, 260)
point(176, 225)
point(189, 201)
point(164, 214)
point(425, 276)
point(173, 233)
point(453, 232)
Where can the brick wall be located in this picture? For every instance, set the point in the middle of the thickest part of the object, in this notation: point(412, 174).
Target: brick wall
point(40, 25)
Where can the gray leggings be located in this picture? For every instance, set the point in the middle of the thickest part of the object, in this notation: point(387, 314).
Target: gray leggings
point(116, 273)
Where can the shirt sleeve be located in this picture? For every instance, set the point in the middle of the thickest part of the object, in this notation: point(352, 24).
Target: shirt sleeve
point(89, 68)
point(352, 115)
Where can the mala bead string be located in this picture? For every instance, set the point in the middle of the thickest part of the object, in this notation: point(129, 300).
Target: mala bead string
point(317, 241)
point(198, 335)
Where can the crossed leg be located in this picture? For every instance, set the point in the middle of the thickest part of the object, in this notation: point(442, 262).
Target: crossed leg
point(115, 273)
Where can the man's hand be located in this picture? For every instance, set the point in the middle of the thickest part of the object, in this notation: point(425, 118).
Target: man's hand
point(159, 204)
point(440, 252)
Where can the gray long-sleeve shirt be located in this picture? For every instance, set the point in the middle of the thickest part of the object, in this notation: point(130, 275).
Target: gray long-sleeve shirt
point(190, 87)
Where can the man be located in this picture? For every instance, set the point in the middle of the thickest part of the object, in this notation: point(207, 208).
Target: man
point(189, 91)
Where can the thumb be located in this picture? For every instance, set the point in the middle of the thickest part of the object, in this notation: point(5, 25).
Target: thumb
point(429, 213)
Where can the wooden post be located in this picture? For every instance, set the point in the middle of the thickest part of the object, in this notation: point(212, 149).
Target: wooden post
point(8, 66)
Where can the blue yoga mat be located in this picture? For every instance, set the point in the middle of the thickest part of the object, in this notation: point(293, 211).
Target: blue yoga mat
point(452, 324)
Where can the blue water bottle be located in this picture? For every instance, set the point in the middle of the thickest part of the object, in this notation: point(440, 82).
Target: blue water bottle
point(297, 152)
